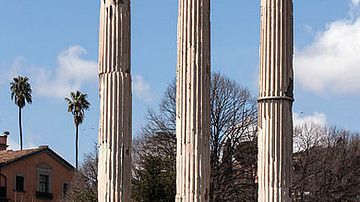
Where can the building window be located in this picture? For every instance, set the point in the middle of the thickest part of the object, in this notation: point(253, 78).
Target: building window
point(65, 188)
point(44, 183)
point(3, 184)
point(44, 175)
point(20, 183)
point(2, 192)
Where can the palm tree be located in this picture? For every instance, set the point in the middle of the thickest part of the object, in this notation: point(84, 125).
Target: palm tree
point(77, 104)
point(21, 93)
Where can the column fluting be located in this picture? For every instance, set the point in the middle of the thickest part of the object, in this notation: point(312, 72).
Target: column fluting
point(114, 143)
point(192, 102)
point(275, 127)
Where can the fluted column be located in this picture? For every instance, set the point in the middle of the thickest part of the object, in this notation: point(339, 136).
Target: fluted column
point(114, 168)
point(275, 100)
point(192, 101)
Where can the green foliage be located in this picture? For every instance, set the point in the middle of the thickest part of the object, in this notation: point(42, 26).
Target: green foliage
point(155, 182)
point(233, 125)
point(77, 104)
point(21, 91)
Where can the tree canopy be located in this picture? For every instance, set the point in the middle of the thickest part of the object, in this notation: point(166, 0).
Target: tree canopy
point(233, 124)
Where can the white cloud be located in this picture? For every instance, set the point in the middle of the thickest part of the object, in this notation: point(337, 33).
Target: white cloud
point(14, 71)
point(142, 89)
point(308, 29)
point(315, 118)
point(14, 144)
point(331, 63)
point(355, 2)
point(71, 73)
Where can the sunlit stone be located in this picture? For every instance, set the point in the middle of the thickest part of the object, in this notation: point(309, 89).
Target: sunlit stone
point(114, 168)
point(275, 100)
point(192, 102)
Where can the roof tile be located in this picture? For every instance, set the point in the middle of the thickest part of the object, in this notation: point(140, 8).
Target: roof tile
point(7, 156)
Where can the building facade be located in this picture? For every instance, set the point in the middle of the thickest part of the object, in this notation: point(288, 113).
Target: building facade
point(33, 175)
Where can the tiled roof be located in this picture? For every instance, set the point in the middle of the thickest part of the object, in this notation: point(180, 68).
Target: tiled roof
point(8, 156)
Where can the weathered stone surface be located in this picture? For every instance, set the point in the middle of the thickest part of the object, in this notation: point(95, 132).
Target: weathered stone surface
point(192, 101)
point(275, 100)
point(114, 168)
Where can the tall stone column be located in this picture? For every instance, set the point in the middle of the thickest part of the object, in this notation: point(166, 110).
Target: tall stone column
point(275, 100)
point(114, 168)
point(192, 101)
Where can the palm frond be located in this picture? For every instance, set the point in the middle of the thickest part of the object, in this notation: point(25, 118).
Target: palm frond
point(77, 104)
point(21, 91)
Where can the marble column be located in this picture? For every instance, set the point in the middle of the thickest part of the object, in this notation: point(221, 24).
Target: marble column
point(275, 101)
point(114, 168)
point(192, 102)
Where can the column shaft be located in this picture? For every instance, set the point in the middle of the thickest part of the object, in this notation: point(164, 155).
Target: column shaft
point(192, 101)
point(275, 100)
point(114, 168)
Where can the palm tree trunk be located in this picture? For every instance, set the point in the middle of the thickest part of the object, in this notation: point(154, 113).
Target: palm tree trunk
point(76, 145)
point(21, 144)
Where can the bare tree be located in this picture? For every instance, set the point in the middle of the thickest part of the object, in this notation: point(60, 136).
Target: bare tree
point(233, 126)
point(326, 168)
point(308, 135)
point(83, 187)
point(309, 139)
point(154, 154)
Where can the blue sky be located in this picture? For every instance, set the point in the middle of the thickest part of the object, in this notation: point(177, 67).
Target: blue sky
point(55, 44)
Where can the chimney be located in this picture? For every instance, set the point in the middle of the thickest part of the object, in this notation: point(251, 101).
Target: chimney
point(43, 147)
point(3, 142)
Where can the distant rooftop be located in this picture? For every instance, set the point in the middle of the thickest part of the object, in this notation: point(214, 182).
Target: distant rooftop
point(9, 156)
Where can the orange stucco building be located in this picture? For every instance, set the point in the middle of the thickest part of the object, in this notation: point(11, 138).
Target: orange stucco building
point(33, 175)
